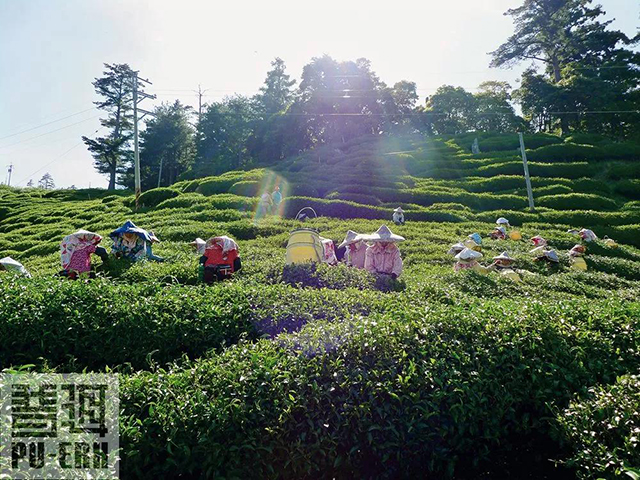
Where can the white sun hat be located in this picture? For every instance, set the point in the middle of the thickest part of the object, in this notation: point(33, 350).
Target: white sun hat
point(456, 248)
point(502, 221)
point(9, 264)
point(399, 210)
point(551, 255)
point(383, 234)
point(351, 237)
point(468, 254)
point(504, 256)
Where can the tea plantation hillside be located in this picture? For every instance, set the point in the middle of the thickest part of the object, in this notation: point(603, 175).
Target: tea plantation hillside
point(317, 372)
point(579, 180)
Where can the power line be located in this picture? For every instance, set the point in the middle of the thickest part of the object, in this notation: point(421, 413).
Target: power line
point(59, 157)
point(48, 133)
point(48, 123)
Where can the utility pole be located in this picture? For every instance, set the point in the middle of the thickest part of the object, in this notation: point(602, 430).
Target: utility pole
point(200, 93)
point(526, 172)
point(136, 149)
point(10, 171)
point(160, 172)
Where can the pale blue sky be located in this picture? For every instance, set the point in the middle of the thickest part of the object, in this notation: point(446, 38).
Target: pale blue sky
point(51, 51)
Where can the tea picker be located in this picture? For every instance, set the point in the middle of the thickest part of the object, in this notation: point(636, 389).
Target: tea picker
point(75, 253)
point(133, 243)
point(383, 255)
point(10, 265)
point(219, 258)
point(398, 216)
point(356, 249)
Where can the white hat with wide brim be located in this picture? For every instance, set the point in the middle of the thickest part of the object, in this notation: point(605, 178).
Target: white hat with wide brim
point(502, 221)
point(350, 238)
point(399, 210)
point(456, 248)
point(504, 256)
point(468, 254)
point(383, 235)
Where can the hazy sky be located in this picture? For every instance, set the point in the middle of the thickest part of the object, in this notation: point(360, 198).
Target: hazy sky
point(51, 51)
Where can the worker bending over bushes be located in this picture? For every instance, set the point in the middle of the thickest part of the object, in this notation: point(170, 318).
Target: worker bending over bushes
point(219, 260)
point(75, 253)
point(356, 249)
point(133, 243)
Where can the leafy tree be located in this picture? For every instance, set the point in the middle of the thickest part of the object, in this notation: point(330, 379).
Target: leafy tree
point(341, 100)
point(223, 133)
point(277, 93)
point(30, 183)
point(405, 96)
point(274, 134)
point(168, 145)
point(569, 40)
point(46, 182)
point(451, 110)
point(112, 153)
point(494, 112)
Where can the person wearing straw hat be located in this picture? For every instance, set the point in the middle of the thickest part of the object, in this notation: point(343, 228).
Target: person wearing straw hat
point(588, 235)
point(10, 265)
point(456, 248)
point(502, 222)
point(544, 253)
point(538, 241)
point(610, 242)
point(467, 259)
point(383, 255)
point(356, 249)
point(398, 216)
point(503, 264)
point(499, 233)
point(576, 258)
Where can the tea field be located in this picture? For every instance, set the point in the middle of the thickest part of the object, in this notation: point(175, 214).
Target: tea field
point(316, 372)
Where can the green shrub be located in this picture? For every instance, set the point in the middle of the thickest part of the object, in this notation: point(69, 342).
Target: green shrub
point(602, 430)
point(623, 151)
point(100, 323)
point(152, 198)
point(184, 200)
point(623, 170)
point(442, 392)
point(574, 201)
point(587, 139)
point(628, 188)
point(552, 190)
point(321, 275)
point(355, 197)
point(566, 152)
point(245, 188)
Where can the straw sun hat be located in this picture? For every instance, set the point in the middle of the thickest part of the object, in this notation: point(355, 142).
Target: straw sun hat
point(383, 235)
point(350, 238)
point(468, 254)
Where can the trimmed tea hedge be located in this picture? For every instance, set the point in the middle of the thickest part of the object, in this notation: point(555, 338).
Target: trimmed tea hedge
point(603, 430)
point(441, 391)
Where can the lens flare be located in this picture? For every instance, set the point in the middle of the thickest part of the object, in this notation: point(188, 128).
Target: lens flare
point(272, 186)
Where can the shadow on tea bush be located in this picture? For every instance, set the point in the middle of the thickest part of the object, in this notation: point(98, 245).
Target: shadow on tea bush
point(321, 275)
point(603, 430)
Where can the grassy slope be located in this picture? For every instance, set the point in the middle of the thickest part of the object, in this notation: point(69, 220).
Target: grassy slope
point(552, 337)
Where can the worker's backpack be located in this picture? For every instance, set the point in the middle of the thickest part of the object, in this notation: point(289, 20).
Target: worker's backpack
point(305, 245)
